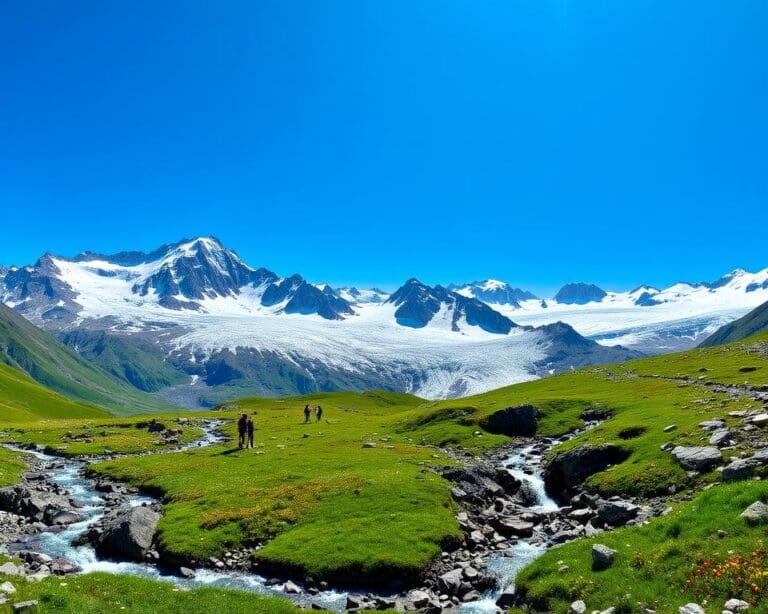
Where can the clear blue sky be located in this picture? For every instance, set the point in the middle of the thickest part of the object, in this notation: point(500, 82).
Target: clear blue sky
point(369, 141)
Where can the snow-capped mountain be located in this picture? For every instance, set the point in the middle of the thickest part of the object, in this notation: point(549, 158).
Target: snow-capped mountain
point(648, 319)
point(195, 309)
point(493, 291)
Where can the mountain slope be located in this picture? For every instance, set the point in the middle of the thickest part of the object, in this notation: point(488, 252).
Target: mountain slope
point(22, 399)
point(48, 362)
point(754, 322)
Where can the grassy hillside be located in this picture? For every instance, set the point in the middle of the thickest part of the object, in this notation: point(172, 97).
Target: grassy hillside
point(754, 322)
point(50, 363)
point(23, 400)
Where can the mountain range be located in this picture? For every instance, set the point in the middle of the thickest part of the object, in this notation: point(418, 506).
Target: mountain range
point(193, 323)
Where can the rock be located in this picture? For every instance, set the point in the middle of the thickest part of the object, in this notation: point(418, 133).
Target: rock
point(697, 458)
point(506, 600)
point(419, 598)
point(450, 582)
point(736, 605)
point(569, 469)
point(186, 572)
point(63, 518)
point(354, 602)
point(711, 425)
point(721, 438)
point(25, 501)
point(291, 588)
point(25, 607)
point(759, 420)
point(7, 588)
point(510, 526)
point(757, 513)
point(670, 428)
point(9, 569)
point(369, 444)
point(617, 513)
point(691, 608)
point(602, 557)
point(129, 535)
point(577, 607)
point(156, 427)
point(518, 421)
point(740, 469)
point(471, 596)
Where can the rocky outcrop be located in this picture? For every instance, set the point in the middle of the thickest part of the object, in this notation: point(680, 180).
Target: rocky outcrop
point(129, 534)
point(569, 469)
point(518, 421)
point(40, 505)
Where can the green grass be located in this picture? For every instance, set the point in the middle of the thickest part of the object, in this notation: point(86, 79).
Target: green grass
point(12, 465)
point(654, 562)
point(100, 592)
point(55, 366)
point(22, 399)
point(94, 437)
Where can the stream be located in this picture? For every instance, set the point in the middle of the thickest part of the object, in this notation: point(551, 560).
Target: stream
point(69, 474)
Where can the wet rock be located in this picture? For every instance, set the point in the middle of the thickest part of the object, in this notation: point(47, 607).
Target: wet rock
point(602, 557)
point(569, 469)
point(186, 572)
point(617, 513)
point(62, 517)
point(129, 535)
point(518, 421)
point(450, 582)
point(506, 600)
point(513, 527)
point(291, 588)
point(697, 458)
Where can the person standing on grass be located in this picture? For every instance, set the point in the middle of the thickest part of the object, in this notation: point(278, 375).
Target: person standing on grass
point(242, 429)
point(307, 413)
point(249, 426)
point(318, 413)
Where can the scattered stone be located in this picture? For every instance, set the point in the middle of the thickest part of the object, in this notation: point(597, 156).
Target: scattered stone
point(721, 438)
point(759, 420)
point(602, 557)
point(740, 469)
point(711, 425)
point(186, 572)
point(617, 513)
point(697, 458)
point(577, 607)
point(691, 608)
point(7, 588)
point(670, 428)
point(450, 582)
point(9, 569)
point(25, 607)
point(369, 444)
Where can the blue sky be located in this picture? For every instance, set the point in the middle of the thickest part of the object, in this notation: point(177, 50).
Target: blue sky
point(539, 142)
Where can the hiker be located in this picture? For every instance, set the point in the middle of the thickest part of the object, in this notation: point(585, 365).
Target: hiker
point(318, 413)
point(242, 428)
point(307, 413)
point(249, 426)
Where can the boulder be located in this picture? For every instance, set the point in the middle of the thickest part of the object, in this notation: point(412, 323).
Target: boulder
point(736, 605)
point(520, 421)
point(7, 588)
point(509, 527)
point(506, 600)
point(721, 438)
point(617, 513)
point(291, 588)
point(129, 535)
point(569, 469)
point(61, 517)
point(757, 513)
point(602, 557)
point(25, 607)
point(739, 469)
point(691, 608)
point(450, 582)
point(9, 569)
point(25, 501)
point(697, 458)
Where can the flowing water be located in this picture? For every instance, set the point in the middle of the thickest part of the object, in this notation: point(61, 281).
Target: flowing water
point(68, 474)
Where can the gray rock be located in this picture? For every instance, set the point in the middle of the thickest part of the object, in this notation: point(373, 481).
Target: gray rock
point(569, 469)
point(602, 557)
point(513, 527)
point(9, 569)
point(369, 444)
point(129, 535)
point(450, 582)
point(691, 608)
point(186, 572)
point(739, 469)
point(721, 438)
point(757, 513)
point(419, 599)
point(617, 513)
point(506, 600)
point(711, 425)
point(759, 420)
point(7, 588)
point(291, 588)
point(670, 428)
point(63, 517)
point(25, 607)
point(25, 501)
point(697, 458)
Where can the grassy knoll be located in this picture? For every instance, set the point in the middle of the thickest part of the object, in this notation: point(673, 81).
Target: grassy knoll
point(84, 437)
point(22, 399)
point(332, 507)
point(12, 465)
point(100, 592)
point(674, 560)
